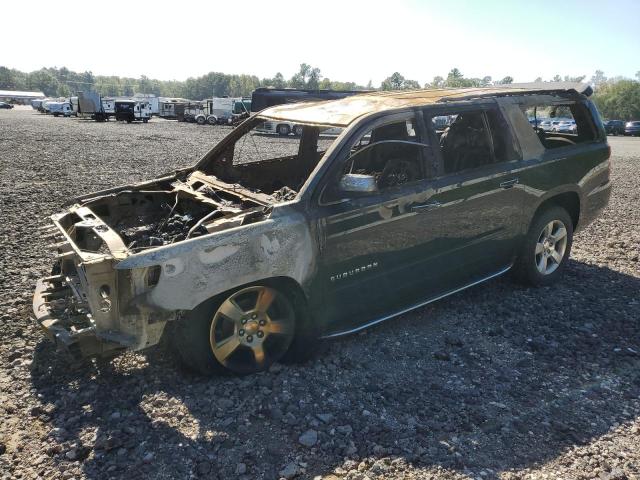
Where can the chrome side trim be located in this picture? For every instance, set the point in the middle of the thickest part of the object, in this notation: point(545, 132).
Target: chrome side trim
point(417, 305)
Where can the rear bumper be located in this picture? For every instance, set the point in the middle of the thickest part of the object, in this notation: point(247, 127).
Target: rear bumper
point(55, 312)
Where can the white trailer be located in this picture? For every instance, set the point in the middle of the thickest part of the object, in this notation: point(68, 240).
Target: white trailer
point(37, 104)
point(167, 107)
point(59, 108)
point(132, 110)
point(154, 102)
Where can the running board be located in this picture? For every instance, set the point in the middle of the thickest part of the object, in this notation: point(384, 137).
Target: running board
point(417, 305)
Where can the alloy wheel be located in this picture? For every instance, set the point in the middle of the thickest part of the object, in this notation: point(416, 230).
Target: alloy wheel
point(551, 247)
point(252, 329)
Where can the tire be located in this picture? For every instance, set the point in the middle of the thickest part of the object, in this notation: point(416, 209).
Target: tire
point(209, 341)
point(531, 267)
point(283, 129)
point(145, 120)
point(297, 130)
point(201, 120)
point(212, 120)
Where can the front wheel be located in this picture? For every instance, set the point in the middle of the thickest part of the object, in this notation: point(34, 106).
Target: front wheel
point(244, 332)
point(546, 249)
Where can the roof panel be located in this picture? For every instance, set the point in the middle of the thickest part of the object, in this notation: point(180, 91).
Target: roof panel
point(344, 111)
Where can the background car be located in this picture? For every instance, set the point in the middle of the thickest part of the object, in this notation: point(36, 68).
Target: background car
point(568, 126)
point(546, 125)
point(614, 127)
point(5, 105)
point(632, 128)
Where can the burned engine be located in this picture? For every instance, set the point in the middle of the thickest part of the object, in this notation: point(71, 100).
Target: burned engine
point(152, 218)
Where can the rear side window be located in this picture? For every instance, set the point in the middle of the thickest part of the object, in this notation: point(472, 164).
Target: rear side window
point(473, 139)
point(561, 125)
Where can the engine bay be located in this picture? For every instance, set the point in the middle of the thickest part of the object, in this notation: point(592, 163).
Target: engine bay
point(162, 214)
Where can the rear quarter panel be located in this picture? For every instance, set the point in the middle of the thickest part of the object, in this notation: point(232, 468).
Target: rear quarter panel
point(545, 173)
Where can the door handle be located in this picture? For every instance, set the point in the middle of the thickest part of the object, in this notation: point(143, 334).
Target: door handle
point(425, 207)
point(509, 183)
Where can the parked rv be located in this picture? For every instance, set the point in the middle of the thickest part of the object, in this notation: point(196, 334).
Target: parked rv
point(132, 110)
point(167, 107)
point(152, 99)
point(37, 104)
point(59, 108)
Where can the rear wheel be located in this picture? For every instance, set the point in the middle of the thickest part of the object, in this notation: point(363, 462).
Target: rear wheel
point(546, 249)
point(212, 120)
point(297, 130)
point(244, 332)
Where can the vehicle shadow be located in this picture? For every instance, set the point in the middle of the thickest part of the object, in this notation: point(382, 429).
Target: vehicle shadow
point(496, 378)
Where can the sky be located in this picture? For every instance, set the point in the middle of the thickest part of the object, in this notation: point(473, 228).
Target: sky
point(348, 40)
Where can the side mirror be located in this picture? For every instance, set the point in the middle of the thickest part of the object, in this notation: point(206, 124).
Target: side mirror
point(356, 183)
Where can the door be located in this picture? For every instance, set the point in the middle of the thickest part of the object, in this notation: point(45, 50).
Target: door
point(474, 216)
point(370, 240)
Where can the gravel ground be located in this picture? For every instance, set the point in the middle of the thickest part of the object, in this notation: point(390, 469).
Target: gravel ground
point(496, 382)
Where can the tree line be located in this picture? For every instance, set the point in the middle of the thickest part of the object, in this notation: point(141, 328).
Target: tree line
point(616, 97)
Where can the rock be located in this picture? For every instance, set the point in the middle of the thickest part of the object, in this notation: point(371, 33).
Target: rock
point(615, 474)
point(291, 470)
point(441, 355)
point(241, 468)
point(344, 429)
point(148, 457)
point(324, 417)
point(203, 467)
point(308, 438)
point(453, 341)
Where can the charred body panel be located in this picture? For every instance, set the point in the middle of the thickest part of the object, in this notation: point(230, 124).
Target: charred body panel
point(132, 258)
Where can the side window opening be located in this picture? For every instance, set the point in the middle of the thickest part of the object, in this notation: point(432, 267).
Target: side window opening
point(561, 125)
point(390, 153)
point(473, 139)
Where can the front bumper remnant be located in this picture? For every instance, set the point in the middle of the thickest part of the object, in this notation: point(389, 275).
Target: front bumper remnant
point(71, 329)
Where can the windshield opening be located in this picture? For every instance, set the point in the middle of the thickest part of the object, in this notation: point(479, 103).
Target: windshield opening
point(273, 157)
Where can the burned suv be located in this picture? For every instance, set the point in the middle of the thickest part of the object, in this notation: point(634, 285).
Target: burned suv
point(384, 203)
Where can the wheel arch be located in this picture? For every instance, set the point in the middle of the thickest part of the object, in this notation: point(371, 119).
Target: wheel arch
point(569, 200)
point(286, 285)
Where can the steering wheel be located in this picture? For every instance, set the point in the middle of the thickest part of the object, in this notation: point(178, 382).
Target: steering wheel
point(398, 171)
